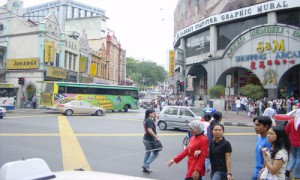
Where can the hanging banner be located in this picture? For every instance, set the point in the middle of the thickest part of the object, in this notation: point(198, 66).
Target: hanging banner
point(93, 69)
point(49, 51)
point(82, 64)
point(171, 62)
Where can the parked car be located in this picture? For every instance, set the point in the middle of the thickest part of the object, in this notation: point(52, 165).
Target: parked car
point(37, 168)
point(178, 117)
point(80, 107)
point(2, 112)
point(282, 119)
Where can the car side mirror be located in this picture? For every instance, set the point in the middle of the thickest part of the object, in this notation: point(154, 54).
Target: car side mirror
point(192, 115)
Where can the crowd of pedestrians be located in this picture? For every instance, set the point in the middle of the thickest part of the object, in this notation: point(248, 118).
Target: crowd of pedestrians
point(258, 106)
point(277, 149)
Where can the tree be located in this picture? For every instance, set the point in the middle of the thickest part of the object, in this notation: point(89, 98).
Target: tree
point(145, 73)
point(253, 91)
point(216, 91)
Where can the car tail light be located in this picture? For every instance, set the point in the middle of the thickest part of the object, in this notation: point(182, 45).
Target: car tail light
point(61, 105)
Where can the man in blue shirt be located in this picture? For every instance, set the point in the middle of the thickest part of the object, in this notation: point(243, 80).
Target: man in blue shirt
point(262, 125)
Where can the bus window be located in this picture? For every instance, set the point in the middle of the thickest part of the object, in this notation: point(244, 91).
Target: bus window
point(61, 89)
point(49, 87)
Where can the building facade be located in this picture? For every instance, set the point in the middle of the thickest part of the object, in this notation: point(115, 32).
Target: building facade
point(253, 41)
point(63, 10)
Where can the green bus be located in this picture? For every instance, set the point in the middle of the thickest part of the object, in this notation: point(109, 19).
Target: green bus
point(110, 97)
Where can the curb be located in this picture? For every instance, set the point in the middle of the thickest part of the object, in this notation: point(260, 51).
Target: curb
point(238, 124)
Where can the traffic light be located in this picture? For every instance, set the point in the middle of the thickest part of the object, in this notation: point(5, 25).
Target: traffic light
point(181, 86)
point(178, 87)
point(21, 80)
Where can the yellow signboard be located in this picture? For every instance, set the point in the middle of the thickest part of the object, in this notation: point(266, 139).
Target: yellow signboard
point(93, 69)
point(6, 85)
point(171, 62)
point(49, 51)
point(82, 64)
point(26, 63)
point(56, 72)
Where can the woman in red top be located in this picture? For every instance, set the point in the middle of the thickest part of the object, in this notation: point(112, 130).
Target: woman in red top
point(198, 143)
point(293, 130)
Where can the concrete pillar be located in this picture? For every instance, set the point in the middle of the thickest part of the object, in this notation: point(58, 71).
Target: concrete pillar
point(69, 12)
point(76, 13)
point(213, 35)
point(82, 14)
point(272, 93)
point(272, 18)
point(88, 14)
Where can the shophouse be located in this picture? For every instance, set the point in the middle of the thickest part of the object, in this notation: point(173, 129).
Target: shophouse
point(254, 41)
point(100, 66)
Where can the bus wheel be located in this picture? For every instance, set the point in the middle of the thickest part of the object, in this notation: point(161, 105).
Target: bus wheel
point(99, 113)
point(125, 108)
point(69, 112)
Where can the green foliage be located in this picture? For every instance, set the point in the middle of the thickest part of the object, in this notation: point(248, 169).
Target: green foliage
point(253, 91)
point(145, 73)
point(216, 91)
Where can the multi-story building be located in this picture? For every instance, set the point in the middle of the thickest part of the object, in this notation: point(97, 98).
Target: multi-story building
point(254, 41)
point(64, 10)
point(101, 63)
point(113, 50)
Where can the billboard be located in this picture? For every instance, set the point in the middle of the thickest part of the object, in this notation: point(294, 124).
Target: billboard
point(171, 62)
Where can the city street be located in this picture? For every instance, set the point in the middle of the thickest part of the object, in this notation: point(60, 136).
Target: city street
point(110, 143)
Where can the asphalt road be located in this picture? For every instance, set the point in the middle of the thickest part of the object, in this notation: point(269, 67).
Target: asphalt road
point(111, 143)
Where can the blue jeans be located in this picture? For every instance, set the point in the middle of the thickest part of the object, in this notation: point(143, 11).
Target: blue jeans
point(295, 161)
point(237, 110)
point(150, 156)
point(218, 175)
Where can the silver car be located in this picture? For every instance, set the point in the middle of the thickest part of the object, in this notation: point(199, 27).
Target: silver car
point(178, 117)
point(80, 107)
point(2, 112)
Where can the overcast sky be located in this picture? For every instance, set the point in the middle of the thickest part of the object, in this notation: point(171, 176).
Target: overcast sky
point(144, 27)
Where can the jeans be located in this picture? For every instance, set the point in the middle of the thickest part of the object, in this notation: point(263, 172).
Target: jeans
point(150, 156)
point(295, 161)
point(237, 110)
point(218, 175)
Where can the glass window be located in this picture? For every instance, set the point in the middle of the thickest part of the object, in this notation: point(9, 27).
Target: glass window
point(171, 110)
point(57, 60)
point(185, 112)
point(198, 44)
point(227, 32)
point(290, 17)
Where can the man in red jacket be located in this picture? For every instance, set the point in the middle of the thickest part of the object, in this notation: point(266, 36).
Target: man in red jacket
point(196, 152)
point(293, 130)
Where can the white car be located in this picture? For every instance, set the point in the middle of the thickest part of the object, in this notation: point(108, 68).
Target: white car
point(37, 168)
point(2, 112)
point(80, 107)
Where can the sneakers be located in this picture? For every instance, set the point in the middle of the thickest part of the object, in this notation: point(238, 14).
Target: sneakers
point(146, 170)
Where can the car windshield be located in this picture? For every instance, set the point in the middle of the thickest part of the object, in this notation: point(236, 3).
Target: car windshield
point(197, 111)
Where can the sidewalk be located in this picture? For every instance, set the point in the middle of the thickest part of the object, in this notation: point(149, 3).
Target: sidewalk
point(232, 119)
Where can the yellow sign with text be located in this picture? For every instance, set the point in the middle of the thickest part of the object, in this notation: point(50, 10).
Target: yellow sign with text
point(26, 63)
point(82, 64)
point(171, 62)
point(93, 69)
point(49, 51)
point(56, 72)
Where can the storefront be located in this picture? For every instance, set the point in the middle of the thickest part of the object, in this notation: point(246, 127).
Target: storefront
point(255, 42)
